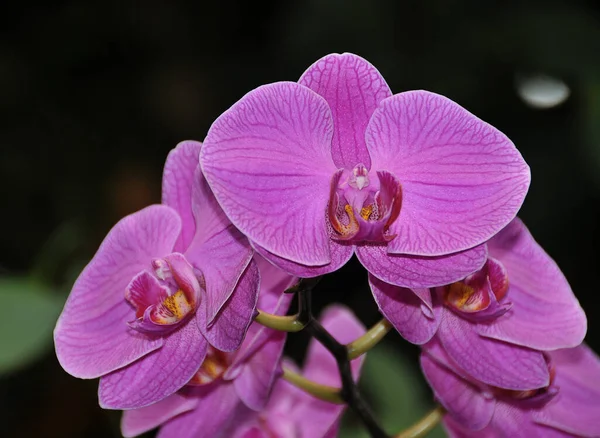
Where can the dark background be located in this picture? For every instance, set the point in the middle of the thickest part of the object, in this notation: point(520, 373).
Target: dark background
point(93, 95)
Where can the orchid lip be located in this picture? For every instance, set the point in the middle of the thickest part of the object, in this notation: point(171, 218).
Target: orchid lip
point(480, 297)
point(361, 208)
point(164, 298)
point(164, 317)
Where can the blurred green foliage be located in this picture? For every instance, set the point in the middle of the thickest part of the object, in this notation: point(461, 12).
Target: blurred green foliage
point(396, 392)
point(29, 311)
point(33, 302)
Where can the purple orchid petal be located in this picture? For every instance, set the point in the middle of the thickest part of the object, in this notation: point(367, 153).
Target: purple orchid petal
point(144, 291)
point(455, 430)
point(323, 417)
point(575, 408)
point(260, 371)
point(229, 328)
point(512, 417)
point(436, 351)
point(545, 313)
point(388, 201)
point(492, 362)
point(280, 426)
point(209, 218)
point(217, 407)
point(157, 375)
point(341, 253)
point(289, 409)
point(184, 276)
point(268, 162)
point(271, 299)
point(353, 88)
point(580, 364)
point(574, 411)
point(320, 366)
point(429, 305)
point(137, 421)
point(284, 394)
point(507, 423)
point(256, 336)
point(498, 277)
point(91, 336)
point(273, 283)
point(464, 402)
point(178, 177)
point(219, 250)
point(510, 421)
point(247, 424)
point(462, 179)
point(406, 310)
point(253, 431)
point(420, 272)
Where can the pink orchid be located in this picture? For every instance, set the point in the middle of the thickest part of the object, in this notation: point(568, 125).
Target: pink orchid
point(520, 298)
point(315, 171)
point(567, 407)
point(227, 408)
point(167, 282)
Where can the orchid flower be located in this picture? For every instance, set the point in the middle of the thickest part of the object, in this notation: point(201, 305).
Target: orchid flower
point(166, 283)
point(493, 322)
point(315, 171)
point(566, 407)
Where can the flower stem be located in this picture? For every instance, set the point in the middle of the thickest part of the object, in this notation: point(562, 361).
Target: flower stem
point(322, 392)
point(282, 323)
point(305, 320)
point(422, 427)
point(304, 285)
point(292, 323)
point(369, 339)
point(349, 392)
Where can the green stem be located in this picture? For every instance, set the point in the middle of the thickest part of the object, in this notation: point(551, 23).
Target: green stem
point(369, 339)
point(282, 323)
point(424, 425)
point(322, 392)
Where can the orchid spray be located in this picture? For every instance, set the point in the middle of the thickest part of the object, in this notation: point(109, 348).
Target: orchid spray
point(183, 311)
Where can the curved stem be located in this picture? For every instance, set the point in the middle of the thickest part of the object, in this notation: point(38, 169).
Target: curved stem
point(349, 391)
point(292, 323)
point(305, 320)
point(369, 339)
point(322, 392)
point(282, 323)
point(422, 427)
